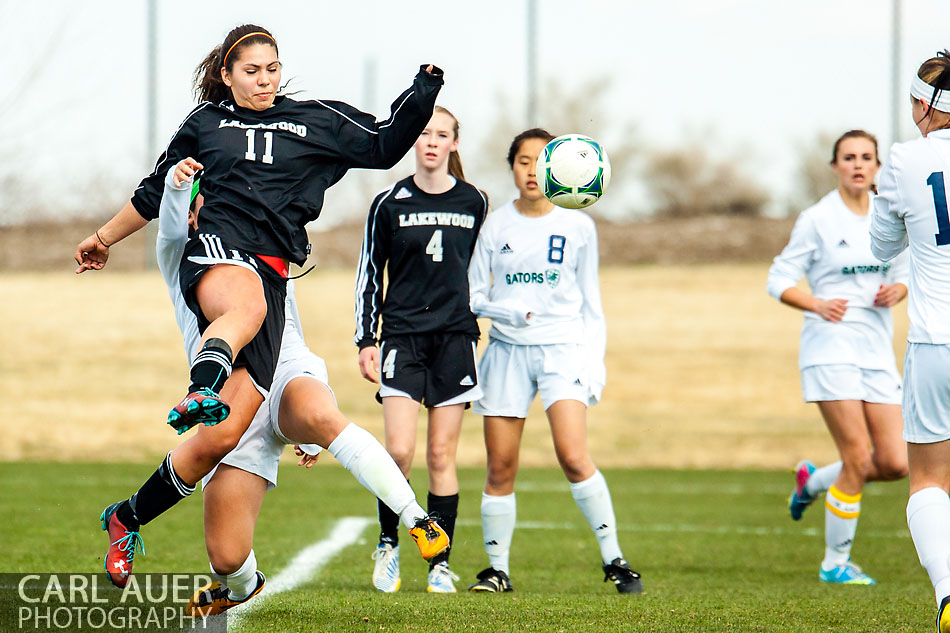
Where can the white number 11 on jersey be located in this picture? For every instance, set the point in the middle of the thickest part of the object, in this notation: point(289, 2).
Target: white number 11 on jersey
point(434, 247)
point(268, 157)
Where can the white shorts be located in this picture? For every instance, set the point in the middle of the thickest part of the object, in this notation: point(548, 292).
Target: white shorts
point(511, 375)
point(850, 382)
point(259, 449)
point(926, 393)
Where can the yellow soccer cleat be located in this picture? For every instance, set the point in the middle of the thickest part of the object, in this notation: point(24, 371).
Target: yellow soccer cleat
point(430, 537)
point(215, 598)
point(943, 616)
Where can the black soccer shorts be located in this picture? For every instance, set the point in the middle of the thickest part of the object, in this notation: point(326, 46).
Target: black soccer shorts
point(260, 355)
point(435, 369)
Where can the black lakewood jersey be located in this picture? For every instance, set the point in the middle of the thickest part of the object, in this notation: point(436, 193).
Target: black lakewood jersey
point(427, 240)
point(265, 173)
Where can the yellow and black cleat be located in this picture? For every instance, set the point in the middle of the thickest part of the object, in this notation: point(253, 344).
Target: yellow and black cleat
point(215, 598)
point(430, 537)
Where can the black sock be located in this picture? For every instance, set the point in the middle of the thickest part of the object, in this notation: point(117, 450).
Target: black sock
point(388, 524)
point(162, 490)
point(211, 366)
point(447, 509)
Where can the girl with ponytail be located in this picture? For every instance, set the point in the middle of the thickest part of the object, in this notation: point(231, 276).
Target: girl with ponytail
point(265, 161)
point(422, 230)
point(910, 211)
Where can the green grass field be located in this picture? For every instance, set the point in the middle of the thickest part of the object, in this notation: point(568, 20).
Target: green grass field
point(716, 549)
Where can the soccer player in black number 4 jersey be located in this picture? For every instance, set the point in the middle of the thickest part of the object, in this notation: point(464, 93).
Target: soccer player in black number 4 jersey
point(267, 161)
point(423, 231)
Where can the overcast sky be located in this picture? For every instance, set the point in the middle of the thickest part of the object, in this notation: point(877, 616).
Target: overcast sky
point(744, 76)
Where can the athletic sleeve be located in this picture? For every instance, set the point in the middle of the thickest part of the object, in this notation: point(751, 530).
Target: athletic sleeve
point(147, 197)
point(374, 254)
point(365, 142)
point(479, 284)
point(888, 231)
point(595, 326)
point(172, 227)
point(794, 260)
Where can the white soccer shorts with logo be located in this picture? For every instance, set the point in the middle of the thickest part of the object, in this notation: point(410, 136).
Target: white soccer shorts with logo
point(513, 374)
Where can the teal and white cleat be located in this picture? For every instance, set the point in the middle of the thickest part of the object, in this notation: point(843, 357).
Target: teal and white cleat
point(800, 499)
point(846, 574)
point(386, 573)
point(440, 579)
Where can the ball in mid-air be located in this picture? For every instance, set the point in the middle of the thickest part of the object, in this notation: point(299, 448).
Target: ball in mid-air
point(573, 171)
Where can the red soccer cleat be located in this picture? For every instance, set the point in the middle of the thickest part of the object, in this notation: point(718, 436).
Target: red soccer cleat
point(123, 544)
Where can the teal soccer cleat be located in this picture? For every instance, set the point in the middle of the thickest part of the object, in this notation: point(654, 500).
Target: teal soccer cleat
point(846, 574)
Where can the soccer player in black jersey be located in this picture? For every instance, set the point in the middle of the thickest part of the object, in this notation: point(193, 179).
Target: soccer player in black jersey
point(422, 230)
point(267, 161)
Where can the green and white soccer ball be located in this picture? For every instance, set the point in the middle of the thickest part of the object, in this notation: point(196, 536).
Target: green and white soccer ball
point(573, 171)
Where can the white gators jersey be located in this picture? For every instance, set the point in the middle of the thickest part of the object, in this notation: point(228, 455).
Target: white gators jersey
point(547, 266)
point(172, 237)
point(911, 208)
point(830, 246)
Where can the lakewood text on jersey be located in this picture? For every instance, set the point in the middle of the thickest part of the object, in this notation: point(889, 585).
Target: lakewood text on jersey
point(299, 130)
point(437, 218)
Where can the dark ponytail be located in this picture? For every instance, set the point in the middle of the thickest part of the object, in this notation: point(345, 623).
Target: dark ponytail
point(207, 82)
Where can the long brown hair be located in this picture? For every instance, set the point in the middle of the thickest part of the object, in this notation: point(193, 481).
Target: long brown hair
point(207, 82)
point(936, 72)
point(455, 161)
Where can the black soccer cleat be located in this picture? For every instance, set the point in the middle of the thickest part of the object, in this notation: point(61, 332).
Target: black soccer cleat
point(492, 580)
point(619, 573)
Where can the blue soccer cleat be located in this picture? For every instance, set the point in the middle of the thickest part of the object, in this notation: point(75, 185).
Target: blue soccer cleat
point(200, 407)
point(440, 579)
point(386, 572)
point(800, 499)
point(846, 574)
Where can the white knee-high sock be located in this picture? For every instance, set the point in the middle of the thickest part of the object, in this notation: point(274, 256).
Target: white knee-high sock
point(822, 479)
point(241, 583)
point(362, 454)
point(928, 515)
point(498, 527)
point(841, 522)
point(593, 498)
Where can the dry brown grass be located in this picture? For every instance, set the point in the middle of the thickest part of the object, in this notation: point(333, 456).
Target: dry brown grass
point(701, 369)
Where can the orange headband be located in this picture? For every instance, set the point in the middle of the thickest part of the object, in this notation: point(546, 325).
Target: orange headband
point(224, 63)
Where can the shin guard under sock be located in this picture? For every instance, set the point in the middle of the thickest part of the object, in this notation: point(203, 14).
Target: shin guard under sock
point(211, 367)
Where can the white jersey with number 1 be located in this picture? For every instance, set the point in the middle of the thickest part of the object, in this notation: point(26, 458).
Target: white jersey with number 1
point(911, 208)
point(545, 265)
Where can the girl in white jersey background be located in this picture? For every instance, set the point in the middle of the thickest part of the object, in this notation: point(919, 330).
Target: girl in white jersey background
point(422, 232)
point(912, 211)
point(300, 406)
point(846, 356)
point(534, 273)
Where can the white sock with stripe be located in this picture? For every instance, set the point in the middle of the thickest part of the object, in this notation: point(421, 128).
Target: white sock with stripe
point(241, 583)
point(928, 515)
point(367, 460)
point(841, 522)
point(498, 527)
point(822, 479)
point(593, 498)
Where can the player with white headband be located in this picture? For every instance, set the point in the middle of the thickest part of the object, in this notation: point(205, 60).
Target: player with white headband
point(911, 212)
point(846, 355)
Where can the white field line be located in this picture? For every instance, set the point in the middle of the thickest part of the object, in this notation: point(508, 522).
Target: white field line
point(695, 489)
point(308, 562)
point(660, 528)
